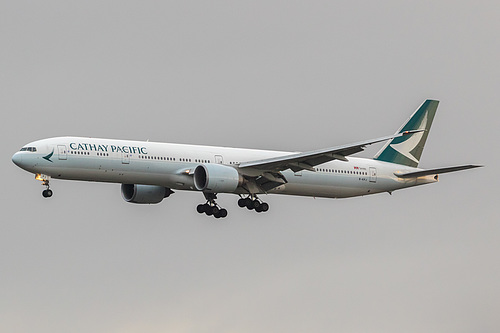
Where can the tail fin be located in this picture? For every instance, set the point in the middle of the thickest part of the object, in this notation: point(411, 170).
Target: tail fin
point(407, 150)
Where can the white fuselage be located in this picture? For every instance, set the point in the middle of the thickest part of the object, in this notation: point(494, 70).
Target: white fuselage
point(172, 165)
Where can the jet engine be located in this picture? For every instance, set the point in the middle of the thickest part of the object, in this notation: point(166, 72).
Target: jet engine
point(216, 178)
point(144, 194)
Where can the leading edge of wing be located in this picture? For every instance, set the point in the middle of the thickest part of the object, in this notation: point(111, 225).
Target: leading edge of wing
point(307, 160)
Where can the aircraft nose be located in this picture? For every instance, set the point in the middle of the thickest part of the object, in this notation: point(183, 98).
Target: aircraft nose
point(17, 159)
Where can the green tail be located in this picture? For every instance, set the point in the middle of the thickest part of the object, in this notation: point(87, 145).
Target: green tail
point(407, 150)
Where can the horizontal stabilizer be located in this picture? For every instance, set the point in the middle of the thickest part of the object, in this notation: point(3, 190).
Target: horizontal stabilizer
point(436, 171)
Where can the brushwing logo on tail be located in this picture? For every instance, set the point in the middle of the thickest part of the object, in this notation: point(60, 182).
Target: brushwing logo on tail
point(406, 147)
point(47, 157)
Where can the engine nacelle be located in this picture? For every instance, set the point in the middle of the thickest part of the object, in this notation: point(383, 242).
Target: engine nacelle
point(144, 194)
point(216, 178)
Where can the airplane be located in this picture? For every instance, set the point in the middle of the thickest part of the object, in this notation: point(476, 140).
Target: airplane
point(150, 171)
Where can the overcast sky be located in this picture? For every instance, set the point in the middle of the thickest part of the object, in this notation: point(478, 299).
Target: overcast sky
point(284, 75)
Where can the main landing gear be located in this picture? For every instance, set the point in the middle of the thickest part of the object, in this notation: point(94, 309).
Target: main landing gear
point(253, 203)
point(211, 208)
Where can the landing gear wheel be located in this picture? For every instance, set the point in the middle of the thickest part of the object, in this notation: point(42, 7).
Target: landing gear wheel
point(209, 211)
point(247, 202)
point(242, 202)
point(221, 213)
point(264, 207)
point(201, 208)
point(47, 193)
point(252, 204)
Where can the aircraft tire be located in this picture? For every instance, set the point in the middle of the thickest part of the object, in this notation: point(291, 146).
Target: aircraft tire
point(247, 202)
point(252, 204)
point(201, 208)
point(208, 211)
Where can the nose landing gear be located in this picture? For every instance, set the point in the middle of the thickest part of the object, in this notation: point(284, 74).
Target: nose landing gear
point(47, 193)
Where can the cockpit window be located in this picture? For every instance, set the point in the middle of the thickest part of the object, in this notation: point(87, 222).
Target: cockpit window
point(32, 149)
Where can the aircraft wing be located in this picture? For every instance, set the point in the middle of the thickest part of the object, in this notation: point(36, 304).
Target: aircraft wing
point(435, 171)
point(308, 160)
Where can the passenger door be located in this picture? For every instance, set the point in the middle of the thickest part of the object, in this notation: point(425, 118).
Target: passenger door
point(62, 153)
point(373, 175)
point(125, 158)
point(219, 159)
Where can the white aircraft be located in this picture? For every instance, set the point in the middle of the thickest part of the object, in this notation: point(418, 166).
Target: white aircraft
point(150, 171)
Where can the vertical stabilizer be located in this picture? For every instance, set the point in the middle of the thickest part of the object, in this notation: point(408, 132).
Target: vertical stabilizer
point(407, 150)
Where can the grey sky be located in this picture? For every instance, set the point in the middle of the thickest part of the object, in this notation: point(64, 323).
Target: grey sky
point(265, 74)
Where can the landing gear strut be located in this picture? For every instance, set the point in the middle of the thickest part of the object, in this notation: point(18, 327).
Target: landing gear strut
point(47, 193)
point(211, 208)
point(253, 203)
